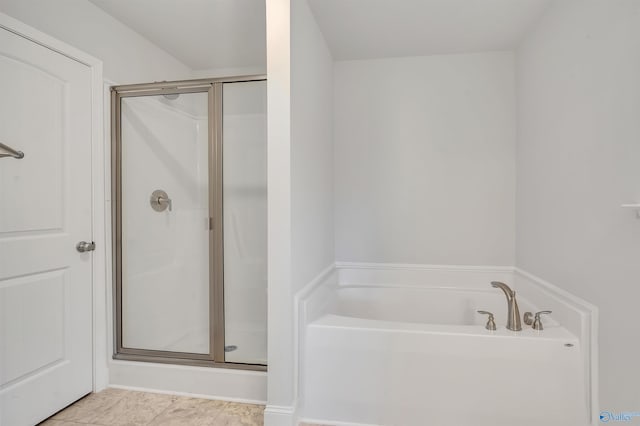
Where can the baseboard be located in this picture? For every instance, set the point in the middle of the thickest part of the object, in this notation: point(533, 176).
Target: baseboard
point(332, 422)
point(188, 394)
point(205, 382)
point(277, 415)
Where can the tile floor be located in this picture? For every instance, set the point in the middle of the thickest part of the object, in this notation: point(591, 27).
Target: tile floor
point(118, 407)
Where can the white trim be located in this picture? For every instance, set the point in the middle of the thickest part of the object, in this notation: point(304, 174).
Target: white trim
point(189, 394)
point(99, 235)
point(215, 383)
point(581, 317)
point(23, 30)
point(558, 292)
point(300, 316)
point(422, 267)
point(280, 415)
point(100, 371)
point(312, 285)
point(109, 323)
point(333, 422)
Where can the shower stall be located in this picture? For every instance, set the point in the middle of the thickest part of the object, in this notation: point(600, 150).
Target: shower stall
point(189, 204)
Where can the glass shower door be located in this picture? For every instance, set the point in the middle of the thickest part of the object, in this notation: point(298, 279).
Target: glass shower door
point(164, 204)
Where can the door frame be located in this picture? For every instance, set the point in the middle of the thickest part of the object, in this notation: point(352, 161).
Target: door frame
point(100, 376)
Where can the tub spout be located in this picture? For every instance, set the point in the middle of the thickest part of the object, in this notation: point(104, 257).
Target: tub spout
point(513, 313)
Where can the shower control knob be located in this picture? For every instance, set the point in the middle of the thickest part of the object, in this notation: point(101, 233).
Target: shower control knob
point(84, 246)
point(160, 201)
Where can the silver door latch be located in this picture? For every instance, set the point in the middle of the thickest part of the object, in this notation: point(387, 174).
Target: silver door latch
point(84, 246)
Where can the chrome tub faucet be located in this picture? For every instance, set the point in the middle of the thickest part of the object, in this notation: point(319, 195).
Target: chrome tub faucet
point(513, 314)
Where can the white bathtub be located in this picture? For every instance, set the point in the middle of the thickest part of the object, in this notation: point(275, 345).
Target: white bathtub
point(407, 356)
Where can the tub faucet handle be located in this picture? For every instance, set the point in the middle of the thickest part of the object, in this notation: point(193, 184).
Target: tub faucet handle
point(528, 318)
point(491, 324)
point(537, 324)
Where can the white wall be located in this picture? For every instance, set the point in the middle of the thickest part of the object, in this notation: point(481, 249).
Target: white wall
point(229, 72)
point(280, 346)
point(300, 183)
point(424, 159)
point(126, 55)
point(311, 148)
point(577, 160)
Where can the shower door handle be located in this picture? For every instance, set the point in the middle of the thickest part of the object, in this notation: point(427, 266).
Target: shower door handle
point(84, 246)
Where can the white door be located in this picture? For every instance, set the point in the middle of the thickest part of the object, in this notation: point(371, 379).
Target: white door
point(45, 210)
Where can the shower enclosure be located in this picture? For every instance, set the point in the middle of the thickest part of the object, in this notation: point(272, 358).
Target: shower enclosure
point(189, 222)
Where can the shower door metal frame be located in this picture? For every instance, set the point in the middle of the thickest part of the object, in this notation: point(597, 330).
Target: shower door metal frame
point(213, 87)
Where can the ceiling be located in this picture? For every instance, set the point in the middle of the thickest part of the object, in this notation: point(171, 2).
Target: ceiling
point(202, 34)
point(227, 34)
point(364, 29)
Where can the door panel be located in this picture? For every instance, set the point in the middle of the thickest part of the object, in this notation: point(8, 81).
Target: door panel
point(34, 310)
point(45, 209)
point(42, 108)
